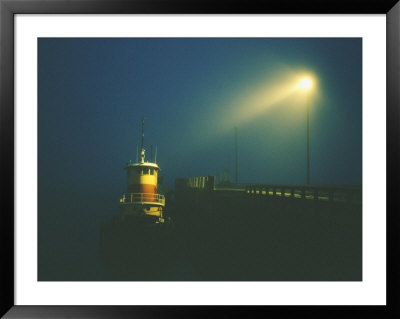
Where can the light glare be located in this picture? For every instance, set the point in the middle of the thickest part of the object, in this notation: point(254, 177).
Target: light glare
point(305, 84)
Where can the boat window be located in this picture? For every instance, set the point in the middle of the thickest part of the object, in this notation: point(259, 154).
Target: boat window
point(144, 171)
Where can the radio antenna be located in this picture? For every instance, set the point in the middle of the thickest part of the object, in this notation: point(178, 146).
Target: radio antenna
point(142, 132)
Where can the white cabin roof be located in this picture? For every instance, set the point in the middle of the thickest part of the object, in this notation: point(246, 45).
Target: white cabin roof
point(145, 164)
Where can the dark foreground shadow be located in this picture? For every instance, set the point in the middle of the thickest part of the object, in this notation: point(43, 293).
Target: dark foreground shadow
point(217, 238)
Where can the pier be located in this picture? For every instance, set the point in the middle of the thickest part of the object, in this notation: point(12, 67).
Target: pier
point(349, 194)
point(243, 232)
point(270, 232)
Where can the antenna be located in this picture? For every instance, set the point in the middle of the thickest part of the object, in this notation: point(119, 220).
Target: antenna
point(142, 132)
point(137, 153)
point(151, 153)
point(155, 157)
point(142, 147)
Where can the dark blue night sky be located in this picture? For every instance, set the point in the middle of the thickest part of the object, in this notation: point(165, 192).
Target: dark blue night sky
point(92, 94)
point(193, 92)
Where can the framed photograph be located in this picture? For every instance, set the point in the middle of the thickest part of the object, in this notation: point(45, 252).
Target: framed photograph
point(165, 154)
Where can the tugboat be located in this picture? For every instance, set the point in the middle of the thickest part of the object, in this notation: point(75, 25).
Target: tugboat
point(142, 199)
point(137, 244)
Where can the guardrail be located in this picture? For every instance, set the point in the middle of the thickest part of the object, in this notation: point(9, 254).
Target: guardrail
point(339, 193)
point(143, 198)
point(202, 183)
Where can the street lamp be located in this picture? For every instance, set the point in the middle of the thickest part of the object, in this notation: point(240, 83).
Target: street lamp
point(306, 84)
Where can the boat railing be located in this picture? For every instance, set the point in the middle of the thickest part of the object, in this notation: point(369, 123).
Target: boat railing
point(143, 198)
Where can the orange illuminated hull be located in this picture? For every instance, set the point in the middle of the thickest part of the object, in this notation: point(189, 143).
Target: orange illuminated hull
point(145, 189)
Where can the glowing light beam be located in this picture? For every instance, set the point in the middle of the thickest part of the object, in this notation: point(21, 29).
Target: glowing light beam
point(305, 84)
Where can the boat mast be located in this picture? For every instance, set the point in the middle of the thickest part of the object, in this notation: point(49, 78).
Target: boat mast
point(142, 147)
point(142, 132)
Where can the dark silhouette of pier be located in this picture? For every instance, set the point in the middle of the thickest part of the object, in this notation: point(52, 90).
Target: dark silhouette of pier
point(271, 232)
point(244, 233)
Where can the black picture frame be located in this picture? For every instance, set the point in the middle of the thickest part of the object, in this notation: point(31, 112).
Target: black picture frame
point(8, 9)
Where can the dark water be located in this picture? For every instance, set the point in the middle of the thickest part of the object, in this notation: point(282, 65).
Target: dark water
point(68, 235)
point(211, 239)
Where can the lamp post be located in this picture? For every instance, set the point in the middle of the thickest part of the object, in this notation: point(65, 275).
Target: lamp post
point(305, 84)
point(236, 157)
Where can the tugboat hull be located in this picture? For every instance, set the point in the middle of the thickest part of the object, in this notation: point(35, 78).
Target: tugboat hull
point(136, 247)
